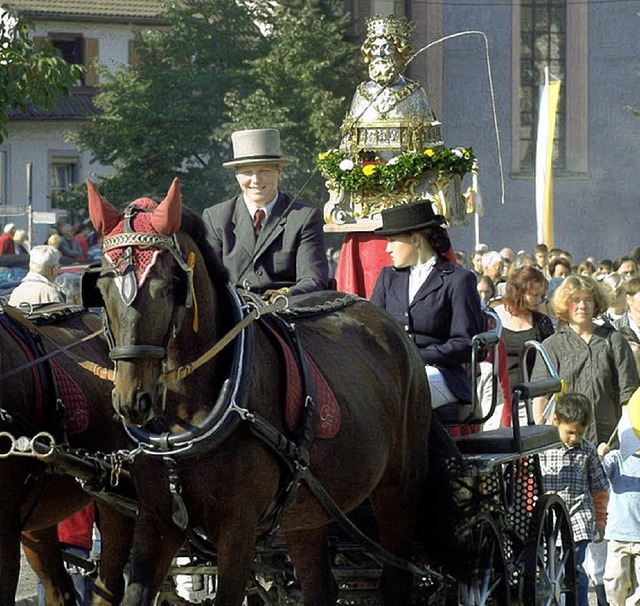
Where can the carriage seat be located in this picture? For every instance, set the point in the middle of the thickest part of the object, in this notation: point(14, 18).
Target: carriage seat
point(502, 440)
point(516, 439)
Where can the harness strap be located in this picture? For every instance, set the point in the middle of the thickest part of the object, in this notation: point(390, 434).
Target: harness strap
point(287, 493)
point(178, 374)
point(290, 454)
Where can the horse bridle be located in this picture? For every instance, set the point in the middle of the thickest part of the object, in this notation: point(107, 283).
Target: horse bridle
point(127, 240)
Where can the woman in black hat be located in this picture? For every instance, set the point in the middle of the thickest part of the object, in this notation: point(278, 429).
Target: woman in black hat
point(436, 301)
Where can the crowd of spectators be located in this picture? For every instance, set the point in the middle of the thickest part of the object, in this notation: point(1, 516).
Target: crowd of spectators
point(586, 312)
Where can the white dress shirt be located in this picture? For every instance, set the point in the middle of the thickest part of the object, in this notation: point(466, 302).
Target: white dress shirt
point(418, 274)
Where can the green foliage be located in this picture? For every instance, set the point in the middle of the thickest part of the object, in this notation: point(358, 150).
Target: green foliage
point(163, 116)
point(376, 175)
point(29, 76)
point(223, 66)
point(302, 85)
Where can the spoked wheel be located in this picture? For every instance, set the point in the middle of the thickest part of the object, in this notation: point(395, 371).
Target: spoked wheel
point(488, 584)
point(549, 577)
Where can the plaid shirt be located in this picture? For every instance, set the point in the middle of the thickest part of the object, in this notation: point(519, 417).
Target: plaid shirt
point(573, 473)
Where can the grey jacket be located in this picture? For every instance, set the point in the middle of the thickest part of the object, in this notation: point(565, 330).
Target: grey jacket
point(289, 250)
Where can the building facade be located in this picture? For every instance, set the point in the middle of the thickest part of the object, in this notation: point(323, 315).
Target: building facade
point(592, 47)
point(38, 160)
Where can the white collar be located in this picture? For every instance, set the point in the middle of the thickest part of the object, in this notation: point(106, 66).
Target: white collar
point(252, 208)
point(424, 268)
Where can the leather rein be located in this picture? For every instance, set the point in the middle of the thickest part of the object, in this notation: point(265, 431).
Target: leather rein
point(24, 321)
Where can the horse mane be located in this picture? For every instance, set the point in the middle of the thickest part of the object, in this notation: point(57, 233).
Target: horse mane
point(194, 226)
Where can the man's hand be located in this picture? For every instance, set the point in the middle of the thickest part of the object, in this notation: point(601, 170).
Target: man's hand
point(271, 294)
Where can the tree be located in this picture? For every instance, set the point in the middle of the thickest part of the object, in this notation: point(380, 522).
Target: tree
point(219, 67)
point(29, 76)
point(303, 85)
point(163, 115)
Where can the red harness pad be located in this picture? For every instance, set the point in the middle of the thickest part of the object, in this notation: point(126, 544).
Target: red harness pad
point(328, 410)
point(76, 409)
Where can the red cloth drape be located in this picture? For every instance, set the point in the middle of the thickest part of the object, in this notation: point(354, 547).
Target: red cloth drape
point(361, 258)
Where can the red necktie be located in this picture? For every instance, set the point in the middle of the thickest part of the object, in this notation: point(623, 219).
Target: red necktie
point(258, 218)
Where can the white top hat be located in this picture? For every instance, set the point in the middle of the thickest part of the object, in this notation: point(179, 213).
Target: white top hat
point(257, 146)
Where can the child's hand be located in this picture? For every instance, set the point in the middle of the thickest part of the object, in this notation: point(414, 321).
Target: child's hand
point(603, 449)
point(599, 535)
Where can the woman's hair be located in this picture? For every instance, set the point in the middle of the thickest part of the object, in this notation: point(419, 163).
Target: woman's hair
point(573, 407)
point(587, 266)
point(519, 284)
point(54, 240)
point(558, 261)
point(20, 235)
point(569, 287)
point(438, 238)
point(631, 287)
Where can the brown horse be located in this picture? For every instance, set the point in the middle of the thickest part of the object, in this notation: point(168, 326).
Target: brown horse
point(32, 500)
point(210, 434)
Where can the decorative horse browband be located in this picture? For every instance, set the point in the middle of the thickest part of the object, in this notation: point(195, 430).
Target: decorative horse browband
point(124, 240)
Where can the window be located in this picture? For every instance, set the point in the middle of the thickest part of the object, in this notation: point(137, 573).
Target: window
point(542, 43)
point(550, 33)
point(77, 50)
point(62, 174)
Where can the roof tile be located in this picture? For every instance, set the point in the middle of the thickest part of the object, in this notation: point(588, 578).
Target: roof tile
point(106, 9)
point(78, 106)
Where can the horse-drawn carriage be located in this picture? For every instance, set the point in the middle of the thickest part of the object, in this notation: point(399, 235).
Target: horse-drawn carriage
point(216, 463)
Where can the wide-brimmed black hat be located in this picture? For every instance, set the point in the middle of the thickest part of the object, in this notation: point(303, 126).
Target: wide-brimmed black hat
point(408, 218)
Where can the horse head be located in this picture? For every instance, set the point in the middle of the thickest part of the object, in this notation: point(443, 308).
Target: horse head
point(147, 285)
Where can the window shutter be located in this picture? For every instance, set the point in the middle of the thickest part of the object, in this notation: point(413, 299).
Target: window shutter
point(91, 47)
point(134, 55)
point(38, 43)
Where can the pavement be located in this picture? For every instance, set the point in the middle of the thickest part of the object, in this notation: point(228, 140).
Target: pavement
point(27, 594)
point(27, 587)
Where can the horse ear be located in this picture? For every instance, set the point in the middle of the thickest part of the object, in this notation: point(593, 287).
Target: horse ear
point(166, 218)
point(104, 215)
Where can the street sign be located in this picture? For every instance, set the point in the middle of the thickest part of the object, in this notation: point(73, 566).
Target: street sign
point(45, 218)
point(13, 210)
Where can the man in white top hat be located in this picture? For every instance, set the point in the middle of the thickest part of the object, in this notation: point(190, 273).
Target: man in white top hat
point(269, 244)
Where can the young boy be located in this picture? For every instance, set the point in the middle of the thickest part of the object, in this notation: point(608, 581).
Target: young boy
point(574, 472)
point(622, 468)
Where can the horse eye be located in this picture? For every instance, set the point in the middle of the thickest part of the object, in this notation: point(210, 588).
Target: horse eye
point(159, 289)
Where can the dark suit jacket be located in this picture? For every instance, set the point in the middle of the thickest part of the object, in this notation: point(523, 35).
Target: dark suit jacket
point(288, 252)
point(442, 319)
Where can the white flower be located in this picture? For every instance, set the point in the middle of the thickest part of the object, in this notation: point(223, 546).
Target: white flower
point(346, 164)
point(393, 161)
point(457, 152)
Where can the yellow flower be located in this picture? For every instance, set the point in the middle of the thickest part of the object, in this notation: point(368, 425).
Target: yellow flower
point(369, 169)
point(323, 155)
point(428, 152)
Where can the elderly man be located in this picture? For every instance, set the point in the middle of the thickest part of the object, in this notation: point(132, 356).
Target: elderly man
point(270, 244)
point(38, 285)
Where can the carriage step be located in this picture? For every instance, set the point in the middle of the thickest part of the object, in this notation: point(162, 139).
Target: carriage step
point(360, 598)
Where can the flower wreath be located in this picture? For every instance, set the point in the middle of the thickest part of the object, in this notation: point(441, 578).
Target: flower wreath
point(343, 173)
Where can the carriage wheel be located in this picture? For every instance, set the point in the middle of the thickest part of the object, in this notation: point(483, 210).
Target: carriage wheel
point(549, 577)
point(488, 585)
